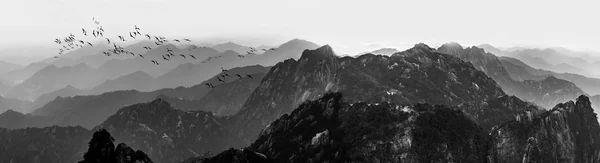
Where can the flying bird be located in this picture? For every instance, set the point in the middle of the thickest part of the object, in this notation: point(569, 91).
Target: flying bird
point(108, 40)
point(136, 27)
point(238, 75)
point(155, 62)
point(176, 40)
point(90, 44)
point(209, 85)
point(182, 56)
point(192, 56)
point(84, 32)
point(147, 35)
point(249, 76)
point(188, 40)
point(220, 79)
point(141, 55)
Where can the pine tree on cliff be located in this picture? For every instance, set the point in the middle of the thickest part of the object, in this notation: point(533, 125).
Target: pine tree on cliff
point(101, 148)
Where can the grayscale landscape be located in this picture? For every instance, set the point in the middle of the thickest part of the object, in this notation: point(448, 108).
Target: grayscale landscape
point(185, 81)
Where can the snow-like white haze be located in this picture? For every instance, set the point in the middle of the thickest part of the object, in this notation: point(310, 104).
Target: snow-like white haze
point(350, 26)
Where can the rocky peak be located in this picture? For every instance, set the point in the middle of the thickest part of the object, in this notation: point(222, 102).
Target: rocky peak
point(321, 53)
point(451, 48)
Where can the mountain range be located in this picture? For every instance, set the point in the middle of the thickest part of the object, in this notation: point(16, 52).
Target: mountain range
point(546, 92)
point(449, 104)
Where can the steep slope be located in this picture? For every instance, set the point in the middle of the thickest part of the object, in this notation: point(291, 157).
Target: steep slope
point(545, 93)
point(567, 133)
point(328, 130)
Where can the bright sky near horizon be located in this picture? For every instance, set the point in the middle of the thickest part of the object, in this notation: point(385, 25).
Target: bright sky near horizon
point(349, 26)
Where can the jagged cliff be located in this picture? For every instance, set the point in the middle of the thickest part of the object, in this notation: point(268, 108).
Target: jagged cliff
point(329, 130)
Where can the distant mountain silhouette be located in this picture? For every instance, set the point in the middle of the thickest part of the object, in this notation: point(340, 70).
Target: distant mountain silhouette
point(12, 104)
point(385, 51)
point(17, 76)
point(520, 71)
point(138, 80)
point(189, 74)
point(7, 67)
point(90, 110)
point(231, 46)
point(550, 59)
point(52, 78)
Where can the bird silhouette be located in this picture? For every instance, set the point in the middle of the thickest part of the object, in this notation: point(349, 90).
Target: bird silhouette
point(192, 56)
point(182, 56)
point(141, 55)
point(176, 40)
point(188, 40)
point(223, 70)
point(165, 58)
point(136, 27)
point(108, 40)
point(155, 62)
point(220, 79)
point(90, 44)
point(209, 85)
point(130, 35)
point(147, 48)
point(84, 32)
point(147, 35)
point(249, 76)
point(238, 75)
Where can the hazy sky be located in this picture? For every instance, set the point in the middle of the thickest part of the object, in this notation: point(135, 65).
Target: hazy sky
point(349, 26)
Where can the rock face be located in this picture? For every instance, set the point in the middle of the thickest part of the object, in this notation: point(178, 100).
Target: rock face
point(545, 93)
point(102, 150)
point(567, 133)
point(329, 130)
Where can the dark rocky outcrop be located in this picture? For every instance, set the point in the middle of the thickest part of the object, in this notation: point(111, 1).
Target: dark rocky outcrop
point(102, 150)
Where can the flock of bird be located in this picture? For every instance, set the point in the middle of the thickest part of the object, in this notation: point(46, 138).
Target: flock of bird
point(71, 42)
